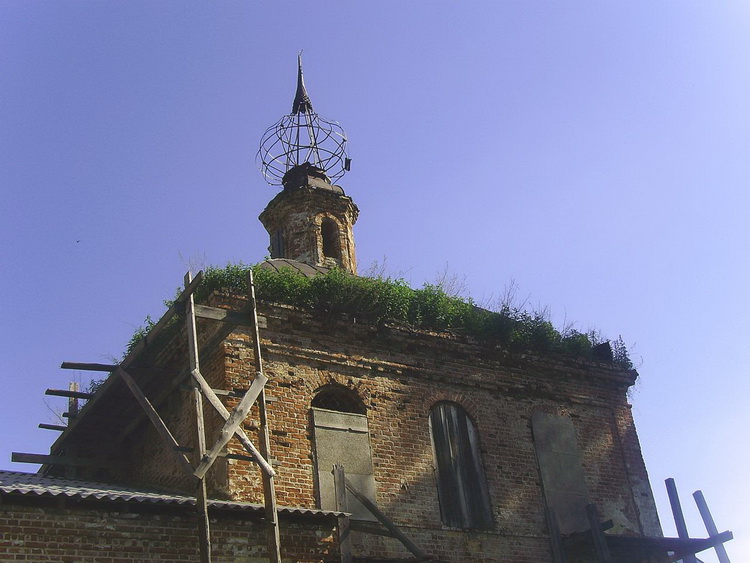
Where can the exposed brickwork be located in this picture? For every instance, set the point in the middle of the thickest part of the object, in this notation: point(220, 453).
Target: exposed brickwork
point(400, 375)
point(294, 220)
point(42, 531)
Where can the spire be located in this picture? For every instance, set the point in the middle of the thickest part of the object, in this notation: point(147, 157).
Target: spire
point(303, 138)
point(302, 101)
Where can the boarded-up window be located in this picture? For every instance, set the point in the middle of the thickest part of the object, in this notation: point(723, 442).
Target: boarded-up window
point(563, 480)
point(462, 487)
point(343, 437)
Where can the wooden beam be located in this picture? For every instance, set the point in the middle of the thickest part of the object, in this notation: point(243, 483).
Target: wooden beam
point(226, 315)
point(70, 394)
point(597, 535)
point(236, 417)
point(269, 488)
point(190, 288)
point(383, 519)
point(342, 526)
point(156, 420)
point(558, 551)
point(52, 427)
point(679, 519)
point(89, 367)
point(708, 520)
point(210, 394)
point(201, 499)
point(19, 457)
point(238, 457)
point(140, 370)
point(696, 545)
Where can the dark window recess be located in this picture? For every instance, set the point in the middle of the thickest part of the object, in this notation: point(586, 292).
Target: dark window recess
point(334, 398)
point(277, 245)
point(462, 487)
point(329, 231)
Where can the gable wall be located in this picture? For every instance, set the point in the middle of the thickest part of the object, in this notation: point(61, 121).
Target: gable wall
point(400, 375)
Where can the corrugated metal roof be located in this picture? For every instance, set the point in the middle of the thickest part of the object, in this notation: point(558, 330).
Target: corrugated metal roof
point(31, 484)
point(309, 270)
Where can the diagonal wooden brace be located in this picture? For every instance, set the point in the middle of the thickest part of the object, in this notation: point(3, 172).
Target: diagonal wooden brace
point(236, 417)
point(156, 420)
point(222, 410)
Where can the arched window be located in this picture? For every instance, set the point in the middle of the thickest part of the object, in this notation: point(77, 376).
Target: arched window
point(329, 232)
point(277, 244)
point(462, 487)
point(341, 435)
point(338, 398)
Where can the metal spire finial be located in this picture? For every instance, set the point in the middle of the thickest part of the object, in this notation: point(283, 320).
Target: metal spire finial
point(302, 137)
point(302, 101)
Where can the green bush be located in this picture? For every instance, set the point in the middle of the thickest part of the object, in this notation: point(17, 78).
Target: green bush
point(382, 299)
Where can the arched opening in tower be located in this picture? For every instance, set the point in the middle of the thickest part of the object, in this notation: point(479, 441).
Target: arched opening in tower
point(329, 232)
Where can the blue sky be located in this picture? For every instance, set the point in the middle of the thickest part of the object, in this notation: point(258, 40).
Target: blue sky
point(594, 153)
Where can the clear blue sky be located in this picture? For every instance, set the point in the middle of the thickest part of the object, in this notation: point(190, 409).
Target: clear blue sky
point(594, 152)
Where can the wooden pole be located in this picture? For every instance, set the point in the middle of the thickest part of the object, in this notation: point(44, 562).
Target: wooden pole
point(708, 520)
point(679, 519)
point(201, 500)
point(385, 521)
point(558, 550)
point(597, 535)
point(269, 489)
point(209, 393)
point(156, 420)
point(342, 527)
point(71, 472)
point(232, 424)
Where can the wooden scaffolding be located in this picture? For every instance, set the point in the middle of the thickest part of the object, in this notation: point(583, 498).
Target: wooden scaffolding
point(204, 455)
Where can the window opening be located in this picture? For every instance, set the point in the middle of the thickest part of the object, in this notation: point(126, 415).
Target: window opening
point(335, 398)
point(341, 435)
point(277, 245)
point(329, 231)
point(462, 487)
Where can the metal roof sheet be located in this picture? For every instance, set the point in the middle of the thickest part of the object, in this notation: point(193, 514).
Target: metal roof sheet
point(309, 270)
point(31, 484)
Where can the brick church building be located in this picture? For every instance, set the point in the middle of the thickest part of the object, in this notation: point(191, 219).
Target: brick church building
point(467, 451)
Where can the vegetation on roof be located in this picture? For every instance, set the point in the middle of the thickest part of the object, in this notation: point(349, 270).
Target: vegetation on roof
point(380, 299)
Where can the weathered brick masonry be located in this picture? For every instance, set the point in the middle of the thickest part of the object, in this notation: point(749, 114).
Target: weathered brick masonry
point(462, 444)
point(400, 374)
point(48, 529)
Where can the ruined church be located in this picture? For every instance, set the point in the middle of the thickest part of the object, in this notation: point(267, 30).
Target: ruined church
point(245, 429)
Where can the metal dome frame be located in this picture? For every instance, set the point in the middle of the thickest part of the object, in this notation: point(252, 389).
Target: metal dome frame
point(302, 137)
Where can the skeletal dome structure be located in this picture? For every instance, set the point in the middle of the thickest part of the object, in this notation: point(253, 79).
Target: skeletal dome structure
point(302, 137)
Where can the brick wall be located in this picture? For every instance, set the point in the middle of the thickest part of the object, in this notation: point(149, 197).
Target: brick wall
point(41, 530)
point(400, 374)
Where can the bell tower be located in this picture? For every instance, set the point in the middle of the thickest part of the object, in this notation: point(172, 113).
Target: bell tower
point(311, 220)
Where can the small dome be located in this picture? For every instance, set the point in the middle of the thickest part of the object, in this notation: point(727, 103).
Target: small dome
point(308, 270)
point(308, 176)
